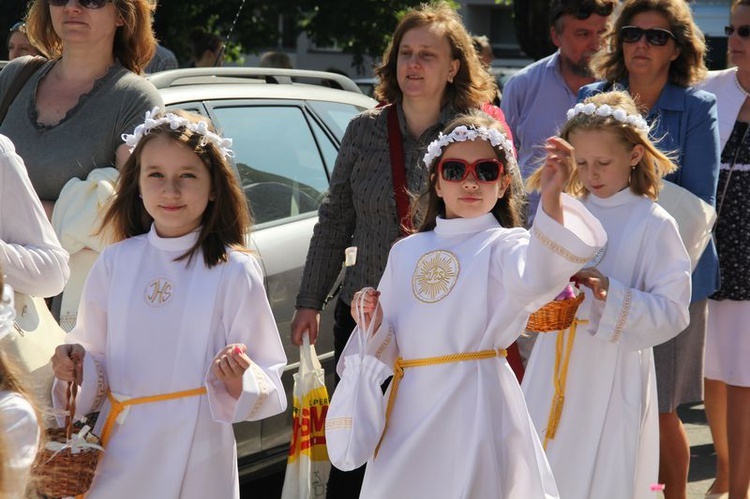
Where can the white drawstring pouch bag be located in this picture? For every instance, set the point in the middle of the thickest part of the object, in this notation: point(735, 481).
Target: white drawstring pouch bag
point(356, 416)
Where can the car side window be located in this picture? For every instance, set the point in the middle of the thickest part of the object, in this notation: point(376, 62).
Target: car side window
point(279, 162)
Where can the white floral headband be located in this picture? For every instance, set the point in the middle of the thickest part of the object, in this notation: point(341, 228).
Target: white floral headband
point(463, 133)
point(606, 110)
point(7, 311)
point(201, 128)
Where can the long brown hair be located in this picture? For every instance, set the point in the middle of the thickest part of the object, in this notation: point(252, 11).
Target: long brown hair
point(472, 85)
point(645, 179)
point(508, 209)
point(134, 44)
point(690, 65)
point(225, 222)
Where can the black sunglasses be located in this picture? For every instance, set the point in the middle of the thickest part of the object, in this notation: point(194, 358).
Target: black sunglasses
point(581, 9)
point(742, 31)
point(86, 4)
point(654, 36)
point(456, 170)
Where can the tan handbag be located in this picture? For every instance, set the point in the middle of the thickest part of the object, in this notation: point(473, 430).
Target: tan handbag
point(31, 344)
point(695, 218)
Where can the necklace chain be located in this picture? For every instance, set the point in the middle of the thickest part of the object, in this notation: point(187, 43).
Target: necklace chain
point(739, 85)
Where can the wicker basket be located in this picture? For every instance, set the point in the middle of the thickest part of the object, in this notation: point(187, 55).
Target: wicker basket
point(556, 315)
point(64, 473)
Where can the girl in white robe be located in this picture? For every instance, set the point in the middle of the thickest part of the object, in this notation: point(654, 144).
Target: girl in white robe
point(453, 297)
point(20, 428)
point(175, 311)
point(605, 443)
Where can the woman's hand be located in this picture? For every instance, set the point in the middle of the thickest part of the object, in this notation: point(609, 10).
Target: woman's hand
point(67, 363)
point(229, 366)
point(597, 282)
point(371, 308)
point(305, 320)
point(558, 167)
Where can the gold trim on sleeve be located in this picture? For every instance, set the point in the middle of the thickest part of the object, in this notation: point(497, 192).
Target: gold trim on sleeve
point(623, 316)
point(556, 248)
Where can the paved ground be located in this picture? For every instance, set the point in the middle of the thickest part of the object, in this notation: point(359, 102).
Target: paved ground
point(702, 460)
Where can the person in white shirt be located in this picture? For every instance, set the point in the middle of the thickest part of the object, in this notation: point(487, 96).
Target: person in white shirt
point(175, 339)
point(598, 412)
point(452, 299)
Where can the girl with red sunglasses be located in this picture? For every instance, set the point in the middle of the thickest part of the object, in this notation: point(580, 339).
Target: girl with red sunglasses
point(453, 298)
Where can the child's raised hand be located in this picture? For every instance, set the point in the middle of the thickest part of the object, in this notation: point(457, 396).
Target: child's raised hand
point(67, 362)
point(370, 299)
point(594, 280)
point(229, 365)
point(558, 167)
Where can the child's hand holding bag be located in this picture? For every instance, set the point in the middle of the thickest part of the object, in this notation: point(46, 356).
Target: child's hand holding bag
point(356, 416)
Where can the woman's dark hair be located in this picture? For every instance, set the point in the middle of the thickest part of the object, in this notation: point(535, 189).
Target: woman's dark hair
point(225, 222)
point(472, 85)
point(690, 65)
point(427, 206)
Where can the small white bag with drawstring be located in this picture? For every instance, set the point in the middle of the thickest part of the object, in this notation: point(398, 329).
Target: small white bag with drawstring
point(356, 416)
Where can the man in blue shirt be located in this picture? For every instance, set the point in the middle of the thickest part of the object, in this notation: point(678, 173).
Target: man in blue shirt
point(535, 99)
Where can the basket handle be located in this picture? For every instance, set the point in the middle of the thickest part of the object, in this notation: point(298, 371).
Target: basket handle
point(71, 391)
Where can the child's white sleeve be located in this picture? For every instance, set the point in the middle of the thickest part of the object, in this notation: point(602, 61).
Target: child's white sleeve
point(247, 319)
point(30, 253)
point(91, 332)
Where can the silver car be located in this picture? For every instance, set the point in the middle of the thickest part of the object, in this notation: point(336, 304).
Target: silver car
point(286, 127)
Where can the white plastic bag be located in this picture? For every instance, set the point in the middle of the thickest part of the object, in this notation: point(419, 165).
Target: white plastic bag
point(308, 466)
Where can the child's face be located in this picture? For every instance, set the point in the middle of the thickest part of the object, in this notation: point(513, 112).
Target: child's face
point(604, 163)
point(470, 198)
point(175, 186)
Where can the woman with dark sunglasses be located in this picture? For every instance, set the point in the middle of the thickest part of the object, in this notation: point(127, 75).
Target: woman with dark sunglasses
point(68, 118)
point(18, 43)
point(727, 371)
point(657, 54)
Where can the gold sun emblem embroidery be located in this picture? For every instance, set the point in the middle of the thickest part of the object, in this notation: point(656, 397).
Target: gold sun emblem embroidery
point(435, 275)
point(158, 291)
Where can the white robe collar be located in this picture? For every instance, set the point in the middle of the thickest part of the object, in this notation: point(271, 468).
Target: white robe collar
point(461, 226)
point(623, 197)
point(182, 243)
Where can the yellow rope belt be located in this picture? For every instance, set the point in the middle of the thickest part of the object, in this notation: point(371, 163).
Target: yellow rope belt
point(401, 364)
point(119, 406)
point(562, 359)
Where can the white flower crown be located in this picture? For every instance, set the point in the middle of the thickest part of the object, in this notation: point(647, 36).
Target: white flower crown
point(605, 110)
point(201, 128)
point(7, 310)
point(463, 133)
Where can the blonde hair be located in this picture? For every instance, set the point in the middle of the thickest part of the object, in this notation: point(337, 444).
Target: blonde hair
point(645, 179)
point(690, 66)
point(427, 206)
point(226, 220)
point(134, 43)
point(472, 85)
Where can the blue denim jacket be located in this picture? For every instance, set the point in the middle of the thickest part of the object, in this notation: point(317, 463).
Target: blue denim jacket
point(686, 122)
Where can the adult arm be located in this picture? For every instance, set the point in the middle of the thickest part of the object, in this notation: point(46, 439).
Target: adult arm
point(30, 253)
point(700, 154)
point(331, 235)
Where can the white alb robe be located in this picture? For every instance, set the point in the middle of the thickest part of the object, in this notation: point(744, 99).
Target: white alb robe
point(607, 441)
point(151, 326)
point(461, 430)
point(20, 431)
